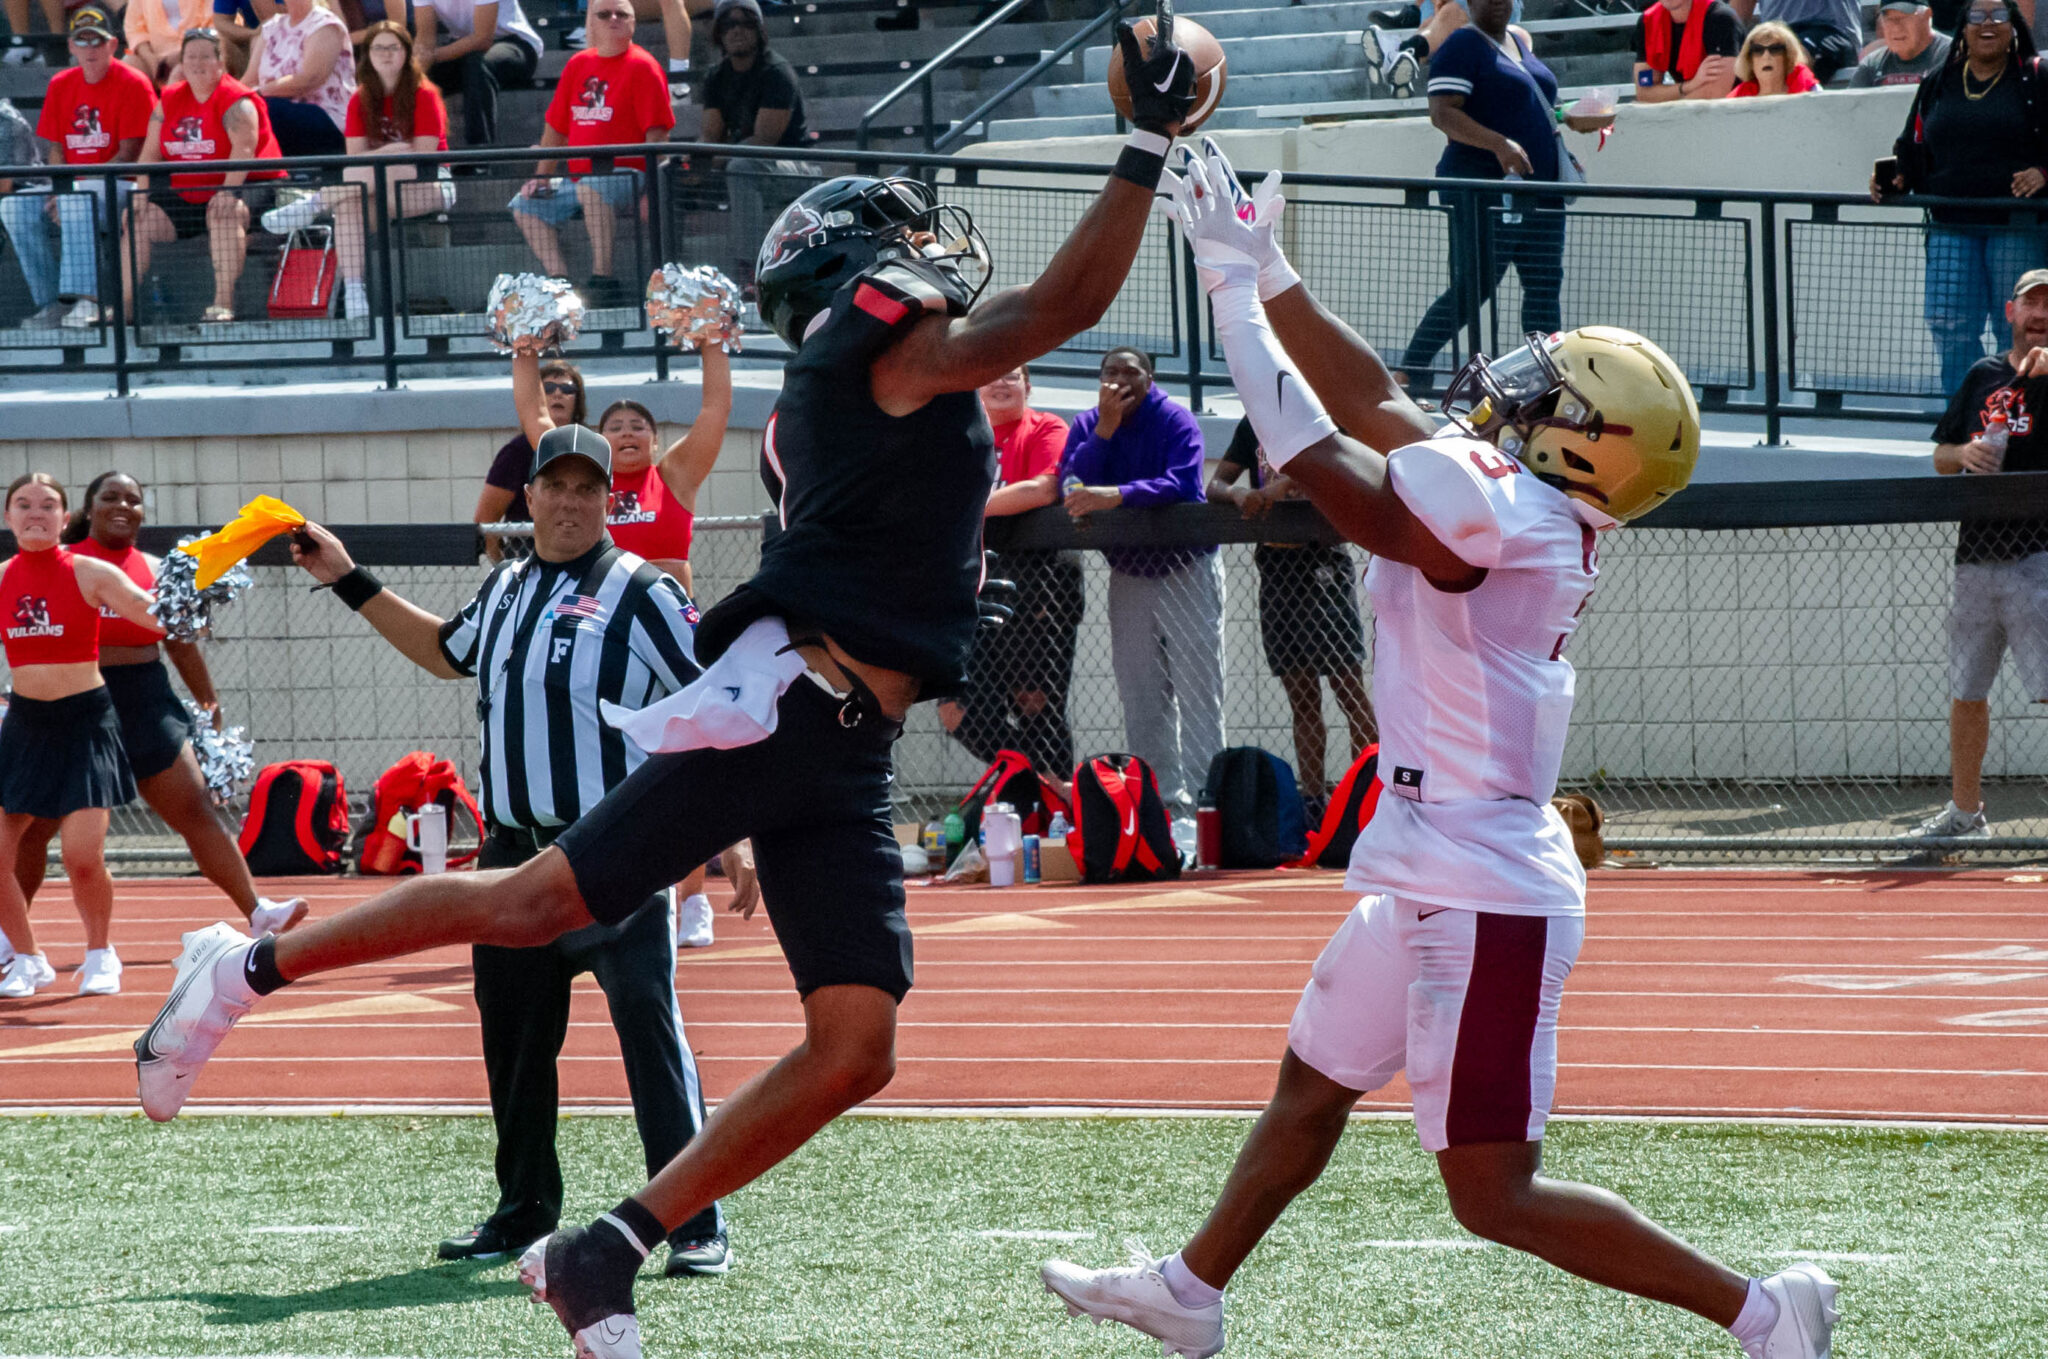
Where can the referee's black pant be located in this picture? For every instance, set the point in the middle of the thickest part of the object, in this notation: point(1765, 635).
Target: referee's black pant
point(523, 997)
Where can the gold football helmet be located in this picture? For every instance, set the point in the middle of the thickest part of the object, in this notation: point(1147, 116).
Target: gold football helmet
point(1600, 413)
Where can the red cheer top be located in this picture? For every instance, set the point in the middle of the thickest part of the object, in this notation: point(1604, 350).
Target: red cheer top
point(43, 612)
point(114, 629)
point(646, 520)
point(194, 132)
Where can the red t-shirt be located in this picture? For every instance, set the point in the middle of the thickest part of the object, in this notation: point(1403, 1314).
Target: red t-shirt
point(114, 629)
point(1801, 81)
point(89, 122)
point(611, 101)
point(429, 119)
point(1029, 446)
point(44, 619)
point(644, 518)
point(194, 132)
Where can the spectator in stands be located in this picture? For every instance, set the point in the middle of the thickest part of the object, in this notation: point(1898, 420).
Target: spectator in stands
point(20, 51)
point(1495, 104)
point(1976, 130)
point(305, 70)
point(156, 31)
point(1020, 674)
point(2001, 582)
point(209, 115)
point(1685, 49)
point(1772, 62)
point(1308, 619)
point(494, 48)
point(751, 97)
point(1830, 30)
point(394, 111)
point(1141, 449)
point(1911, 49)
point(611, 94)
point(503, 498)
point(1948, 15)
point(675, 16)
point(237, 22)
point(95, 112)
point(1392, 67)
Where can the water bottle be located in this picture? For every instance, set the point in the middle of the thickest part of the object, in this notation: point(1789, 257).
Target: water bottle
point(1060, 828)
point(956, 834)
point(1513, 216)
point(934, 838)
point(1208, 834)
point(1997, 434)
point(1002, 840)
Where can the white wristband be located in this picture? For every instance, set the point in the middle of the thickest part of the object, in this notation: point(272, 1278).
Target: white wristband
point(1284, 411)
point(1276, 275)
point(1151, 143)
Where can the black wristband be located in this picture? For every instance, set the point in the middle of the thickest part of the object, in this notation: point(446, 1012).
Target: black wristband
point(358, 588)
point(1141, 162)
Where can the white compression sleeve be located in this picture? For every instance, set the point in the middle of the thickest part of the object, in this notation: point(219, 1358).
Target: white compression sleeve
point(1284, 413)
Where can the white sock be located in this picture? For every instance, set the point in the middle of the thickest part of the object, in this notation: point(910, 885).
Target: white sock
point(6, 949)
point(1759, 1313)
point(1187, 1290)
point(696, 901)
point(678, 65)
point(231, 975)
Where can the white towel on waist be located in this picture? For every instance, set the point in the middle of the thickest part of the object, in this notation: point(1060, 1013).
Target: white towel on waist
point(731, 704)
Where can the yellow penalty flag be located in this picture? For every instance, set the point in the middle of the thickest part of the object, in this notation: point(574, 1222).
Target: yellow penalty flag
point(256, 524)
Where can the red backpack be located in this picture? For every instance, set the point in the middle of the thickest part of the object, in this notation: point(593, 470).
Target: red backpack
point(1121, 831)
point(1011, 779)
point(416, 780)
point(1351, 806)
point(297, 822)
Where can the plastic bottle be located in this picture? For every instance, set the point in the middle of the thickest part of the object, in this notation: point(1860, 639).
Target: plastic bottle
point(934, 837)
point(1060, 828)
point(1513, 216)
point(956, 834)
point(1002, 842)
point(1997, 434)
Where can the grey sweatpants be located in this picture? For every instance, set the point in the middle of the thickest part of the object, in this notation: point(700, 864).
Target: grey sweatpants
point(1166, 641)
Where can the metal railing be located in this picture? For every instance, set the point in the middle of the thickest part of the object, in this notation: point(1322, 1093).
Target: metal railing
point(922, 78)
point(1777, 304)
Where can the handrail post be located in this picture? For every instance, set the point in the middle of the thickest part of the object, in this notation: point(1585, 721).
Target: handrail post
point(651, 169)
point(1773, 390)
point(387, 291)
point(115, 235)
point(930, 137)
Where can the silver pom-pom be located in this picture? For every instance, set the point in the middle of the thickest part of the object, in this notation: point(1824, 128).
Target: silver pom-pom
point(226, 758)
point(184, 610)
point(697, 306)
point(532, 313)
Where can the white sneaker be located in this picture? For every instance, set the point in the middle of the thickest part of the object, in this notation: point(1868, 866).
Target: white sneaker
point(1950, 821)
point(101, 974)
point(693, 922)
point(289, 218)
point(1806, 1315)
point(576, 39)
point(1402, 73)
point(84, 315)
point(1138, 1296)
point(26, 975)
point(195, 1018)
point(23, 53)
point(355, 299)
point(275, 917)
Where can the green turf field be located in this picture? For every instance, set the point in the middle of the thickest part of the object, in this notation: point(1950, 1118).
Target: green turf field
point(132, 1239)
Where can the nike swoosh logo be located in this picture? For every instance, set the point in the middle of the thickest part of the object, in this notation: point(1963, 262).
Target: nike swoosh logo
point(1424, 915)
point(1280, 386)
point(1171, 71)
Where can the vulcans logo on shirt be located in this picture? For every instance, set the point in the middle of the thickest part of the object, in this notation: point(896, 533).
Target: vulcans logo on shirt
point(85, 133)
point(590, 105)
point(189, 139)
point(626, 509)
point(32, 619)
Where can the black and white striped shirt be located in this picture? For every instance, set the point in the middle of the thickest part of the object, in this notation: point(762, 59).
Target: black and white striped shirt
point(546, 642)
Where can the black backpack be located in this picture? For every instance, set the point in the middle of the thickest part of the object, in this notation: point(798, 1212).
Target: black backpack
point(1351, 806)
point(298, 820)
point(1259, 806)
point(1121, 831)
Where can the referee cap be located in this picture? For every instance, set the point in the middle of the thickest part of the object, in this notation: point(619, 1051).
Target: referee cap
point(573, 441)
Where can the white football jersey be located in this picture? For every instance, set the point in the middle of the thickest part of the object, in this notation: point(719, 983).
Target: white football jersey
point(1472, 688)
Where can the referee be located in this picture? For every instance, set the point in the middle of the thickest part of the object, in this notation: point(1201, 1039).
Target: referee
point(547, 637)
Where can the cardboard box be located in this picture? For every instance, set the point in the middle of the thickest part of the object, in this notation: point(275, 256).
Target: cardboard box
point(1056, 866)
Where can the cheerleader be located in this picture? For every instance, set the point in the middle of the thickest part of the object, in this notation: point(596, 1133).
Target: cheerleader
point(156, 728)
point(60, 747)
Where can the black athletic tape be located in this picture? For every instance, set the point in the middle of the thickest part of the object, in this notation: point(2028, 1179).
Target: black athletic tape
point(1140, 167)
point(358, 588)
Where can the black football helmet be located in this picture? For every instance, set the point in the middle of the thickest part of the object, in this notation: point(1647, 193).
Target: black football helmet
point(846, 226)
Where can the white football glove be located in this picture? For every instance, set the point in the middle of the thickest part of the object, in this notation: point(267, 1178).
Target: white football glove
point(1261, 210)
point(1227, 249)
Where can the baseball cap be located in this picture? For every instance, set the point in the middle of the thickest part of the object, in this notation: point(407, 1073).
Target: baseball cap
point(573, 441)
point(1903, 6)
point(2030, 280)
point(92, 19)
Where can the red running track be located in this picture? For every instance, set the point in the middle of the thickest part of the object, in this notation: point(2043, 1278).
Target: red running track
point(1881, 995)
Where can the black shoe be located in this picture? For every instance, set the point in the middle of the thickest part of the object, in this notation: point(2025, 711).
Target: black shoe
point(586, 1275)
point(707, 1255)
point(485, 1242)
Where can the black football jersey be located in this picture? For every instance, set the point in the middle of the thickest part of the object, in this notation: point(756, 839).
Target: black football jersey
point(880, 515)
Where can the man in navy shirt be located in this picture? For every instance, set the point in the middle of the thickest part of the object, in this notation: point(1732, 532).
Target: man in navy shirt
point(1165, 604)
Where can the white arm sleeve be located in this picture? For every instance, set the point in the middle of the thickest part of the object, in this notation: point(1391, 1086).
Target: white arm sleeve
point(1284, 412)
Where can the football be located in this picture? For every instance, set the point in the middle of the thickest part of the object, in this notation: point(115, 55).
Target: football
point(1201, 47)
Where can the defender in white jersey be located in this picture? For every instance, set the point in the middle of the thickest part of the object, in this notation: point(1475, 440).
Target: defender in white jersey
point(1485, 543)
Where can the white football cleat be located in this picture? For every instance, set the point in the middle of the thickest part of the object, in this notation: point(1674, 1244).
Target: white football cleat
point(101, 973)
point(275, 917)
point(693, 922)
point(194, 1019)
point(1138, 1296)
point(1806, 1315)
point(599, 1330)
point(26, 975)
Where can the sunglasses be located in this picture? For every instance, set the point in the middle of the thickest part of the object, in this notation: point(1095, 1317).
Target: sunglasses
point(1980, 17)
point(559, 388)
point(1769, 49)
point(88, 40)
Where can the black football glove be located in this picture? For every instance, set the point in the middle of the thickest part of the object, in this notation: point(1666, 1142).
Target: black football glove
point(1161, 80)
point(995, 605)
